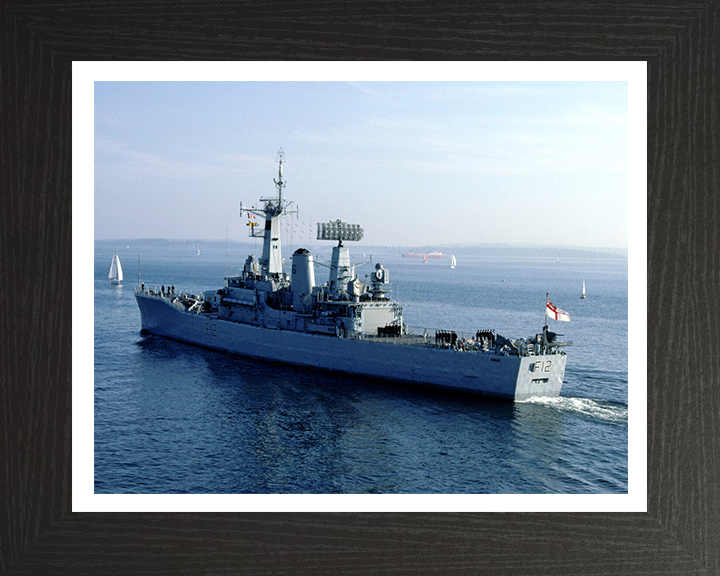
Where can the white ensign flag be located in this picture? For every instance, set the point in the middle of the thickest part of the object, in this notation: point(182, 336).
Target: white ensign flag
point(556, 314)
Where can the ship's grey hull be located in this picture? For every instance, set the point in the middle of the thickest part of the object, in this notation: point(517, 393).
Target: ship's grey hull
point(510, 377)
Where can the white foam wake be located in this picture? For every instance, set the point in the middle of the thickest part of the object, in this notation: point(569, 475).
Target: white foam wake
point(592, 408)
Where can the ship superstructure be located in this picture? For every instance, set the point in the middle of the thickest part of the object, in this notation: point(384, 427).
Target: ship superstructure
point(346, 324)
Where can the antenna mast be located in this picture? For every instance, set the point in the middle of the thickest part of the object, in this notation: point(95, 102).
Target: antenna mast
point(272, 210)
point(279, 184)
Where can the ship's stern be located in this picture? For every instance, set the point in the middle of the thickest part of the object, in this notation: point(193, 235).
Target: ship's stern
point(540, 376)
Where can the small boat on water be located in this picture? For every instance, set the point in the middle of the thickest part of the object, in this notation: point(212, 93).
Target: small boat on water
point(582, 296)
point(453, 262)
point(433, 254)
point(116, 273)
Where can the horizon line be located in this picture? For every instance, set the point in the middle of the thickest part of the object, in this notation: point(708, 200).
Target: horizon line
point(387, 245)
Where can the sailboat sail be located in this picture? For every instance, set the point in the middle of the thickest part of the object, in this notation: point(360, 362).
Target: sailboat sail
point(582, 296)
point(453, 262)
point(116, 273)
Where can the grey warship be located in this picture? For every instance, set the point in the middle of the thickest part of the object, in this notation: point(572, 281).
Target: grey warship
point(346, 325)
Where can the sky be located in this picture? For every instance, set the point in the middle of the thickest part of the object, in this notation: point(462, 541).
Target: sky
point(414, 163)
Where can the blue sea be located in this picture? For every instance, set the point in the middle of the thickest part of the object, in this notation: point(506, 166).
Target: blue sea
point(175, 418)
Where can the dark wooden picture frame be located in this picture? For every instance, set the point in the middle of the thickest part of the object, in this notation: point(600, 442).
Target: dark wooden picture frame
point(680, 532)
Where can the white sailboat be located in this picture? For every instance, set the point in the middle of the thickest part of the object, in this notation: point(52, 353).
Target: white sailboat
point(115, 273)
point(582, 296)
point(453, 262)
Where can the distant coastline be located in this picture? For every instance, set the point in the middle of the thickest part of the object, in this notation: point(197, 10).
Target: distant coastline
point(489, 250)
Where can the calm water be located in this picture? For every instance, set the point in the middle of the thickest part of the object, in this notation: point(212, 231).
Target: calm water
point(174, 418)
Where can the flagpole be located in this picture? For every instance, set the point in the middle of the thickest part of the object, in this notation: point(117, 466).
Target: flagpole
point(545, 328)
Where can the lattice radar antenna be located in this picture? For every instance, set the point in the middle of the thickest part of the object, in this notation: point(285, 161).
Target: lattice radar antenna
point(339, 230)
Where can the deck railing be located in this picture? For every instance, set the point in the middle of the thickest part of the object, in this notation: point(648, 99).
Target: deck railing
point(432, 337)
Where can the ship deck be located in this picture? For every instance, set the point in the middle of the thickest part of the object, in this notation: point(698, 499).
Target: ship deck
point(405, 339)
point(417, 336)
point(426, 338)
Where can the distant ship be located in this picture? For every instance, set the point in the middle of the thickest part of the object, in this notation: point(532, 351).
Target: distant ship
point(347, 324)
point(115, 275)
point(434, 254)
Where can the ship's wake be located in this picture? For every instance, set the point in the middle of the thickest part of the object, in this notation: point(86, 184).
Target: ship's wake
point(595, 409)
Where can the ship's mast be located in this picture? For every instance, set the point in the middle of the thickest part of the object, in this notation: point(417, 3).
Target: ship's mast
point(273, 210)
point(279, 184)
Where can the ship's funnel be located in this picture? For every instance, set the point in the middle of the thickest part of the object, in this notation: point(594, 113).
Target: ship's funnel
point(303, 272)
